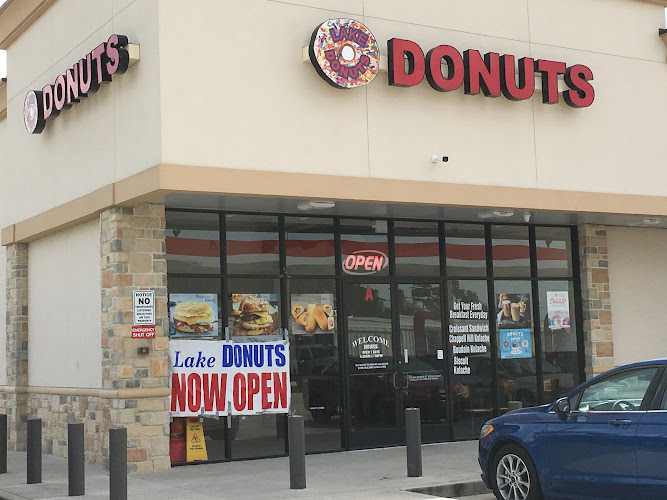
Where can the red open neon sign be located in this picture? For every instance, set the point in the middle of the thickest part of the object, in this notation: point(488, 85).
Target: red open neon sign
point(365, 262)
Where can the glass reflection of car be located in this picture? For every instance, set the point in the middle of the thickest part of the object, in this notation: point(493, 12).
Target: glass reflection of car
point(311, 359)
point(606, 438)
point(516, 381)
point(422, 385)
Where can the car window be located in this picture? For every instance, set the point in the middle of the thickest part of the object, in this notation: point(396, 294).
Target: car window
point(663, 405)
point(621, 392)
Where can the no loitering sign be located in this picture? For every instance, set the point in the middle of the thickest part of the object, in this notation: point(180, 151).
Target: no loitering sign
point(144, 314)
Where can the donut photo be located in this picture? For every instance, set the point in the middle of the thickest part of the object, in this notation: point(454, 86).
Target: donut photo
point(345, 53)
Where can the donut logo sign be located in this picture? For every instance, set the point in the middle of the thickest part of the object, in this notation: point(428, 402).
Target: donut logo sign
point(365, 262)
point(31, 112)
point(345, 53)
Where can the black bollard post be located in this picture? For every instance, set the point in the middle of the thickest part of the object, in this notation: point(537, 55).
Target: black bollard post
point(76, 478)
point(3, 444)
point(413, 441)
point(34, 451)
point(118, 464)
point(297, 453)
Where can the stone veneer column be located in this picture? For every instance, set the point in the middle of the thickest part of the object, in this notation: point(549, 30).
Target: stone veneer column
point(594, 263)
point(133, 258)
point(15, 399)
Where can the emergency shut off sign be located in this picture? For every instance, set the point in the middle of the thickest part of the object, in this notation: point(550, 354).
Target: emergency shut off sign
point(223, 378)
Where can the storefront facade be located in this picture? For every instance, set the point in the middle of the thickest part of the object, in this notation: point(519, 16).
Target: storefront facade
point(410, 240)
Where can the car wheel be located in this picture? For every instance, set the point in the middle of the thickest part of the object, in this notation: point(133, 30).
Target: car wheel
point(513, 475)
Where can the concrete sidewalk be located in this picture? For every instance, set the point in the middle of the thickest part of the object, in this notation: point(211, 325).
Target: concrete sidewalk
point(366, 474)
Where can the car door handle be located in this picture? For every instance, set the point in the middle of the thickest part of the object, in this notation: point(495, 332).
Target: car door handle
point(620, 422)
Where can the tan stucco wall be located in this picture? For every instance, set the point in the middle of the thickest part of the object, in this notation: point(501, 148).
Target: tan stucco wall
point(108, 136)
point(256, 105)
point(638, 284)
point(64, 279)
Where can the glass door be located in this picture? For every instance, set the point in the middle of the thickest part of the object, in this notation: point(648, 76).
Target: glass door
point(373, 378)
point(422, 364)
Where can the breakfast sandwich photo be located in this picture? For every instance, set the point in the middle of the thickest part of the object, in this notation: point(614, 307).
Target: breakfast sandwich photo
point(193, 315)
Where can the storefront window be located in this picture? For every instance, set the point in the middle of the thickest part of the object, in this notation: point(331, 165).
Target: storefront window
point(316, 385)
point(309, 245)
point(193, 243)
point(554, 252)
point(559, 338)
point(364, 247)
point(416, 248)
point(511, 252)
point(469, 342)
point(423, 351)
point(517, 370)
point(252, 244)
point(371, 366)
point(188, 297)
point(399, 343)
point(465, 250)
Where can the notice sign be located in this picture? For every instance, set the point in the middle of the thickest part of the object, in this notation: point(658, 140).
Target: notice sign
point(144, 307)
point(143, 332)
point(221, 378)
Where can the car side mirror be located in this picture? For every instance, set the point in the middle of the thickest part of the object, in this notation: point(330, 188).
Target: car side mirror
point(562, 408)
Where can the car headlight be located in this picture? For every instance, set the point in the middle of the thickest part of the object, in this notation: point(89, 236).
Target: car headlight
point(486, 430)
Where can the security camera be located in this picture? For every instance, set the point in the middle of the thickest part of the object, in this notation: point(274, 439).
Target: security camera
point(526, 217)
point(436, 159)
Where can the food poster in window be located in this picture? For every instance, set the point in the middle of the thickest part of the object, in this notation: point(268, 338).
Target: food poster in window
point(558, 311)
point(255, 317)
point(312, 314)
point(193, 315)
point(513, 311)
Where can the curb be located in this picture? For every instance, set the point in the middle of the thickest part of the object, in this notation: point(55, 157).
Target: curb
point(455, 490)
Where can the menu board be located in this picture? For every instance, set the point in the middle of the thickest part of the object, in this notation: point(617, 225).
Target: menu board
point(468, 333)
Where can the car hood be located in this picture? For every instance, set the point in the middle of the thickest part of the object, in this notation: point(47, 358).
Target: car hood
point(530, 409)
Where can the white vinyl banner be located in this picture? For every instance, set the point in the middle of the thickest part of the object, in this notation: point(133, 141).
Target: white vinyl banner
point(226, 378)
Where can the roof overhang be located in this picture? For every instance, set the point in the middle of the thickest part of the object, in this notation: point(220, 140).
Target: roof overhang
point(16, 16)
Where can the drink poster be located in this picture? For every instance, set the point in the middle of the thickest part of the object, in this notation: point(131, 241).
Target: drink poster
point(513, 311)
point(515, 344)
point(558, 310)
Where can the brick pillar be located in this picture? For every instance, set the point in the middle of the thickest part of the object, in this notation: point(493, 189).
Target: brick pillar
point(596, 297)
point(133, 258)
point(16, 399)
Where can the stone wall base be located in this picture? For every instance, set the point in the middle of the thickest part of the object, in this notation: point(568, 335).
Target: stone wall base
point(146, 420)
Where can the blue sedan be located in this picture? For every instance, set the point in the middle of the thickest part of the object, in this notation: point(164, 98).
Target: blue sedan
point(607, 438)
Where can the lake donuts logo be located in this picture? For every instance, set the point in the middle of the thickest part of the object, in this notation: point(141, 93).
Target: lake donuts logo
point(32, 106)
point(345, 53)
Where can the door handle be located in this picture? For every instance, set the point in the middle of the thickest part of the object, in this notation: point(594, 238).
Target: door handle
point(407, 380)
point(620, 422)
point(393, 377)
